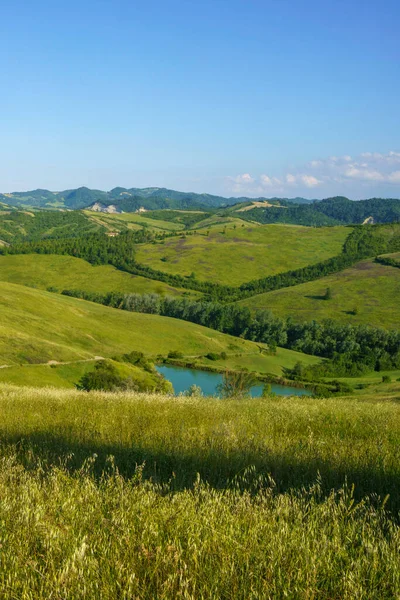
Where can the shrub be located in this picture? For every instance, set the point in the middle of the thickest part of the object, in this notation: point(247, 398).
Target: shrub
point(212, 356)
point(175, 354)
point(104, 377)
point(386, 379)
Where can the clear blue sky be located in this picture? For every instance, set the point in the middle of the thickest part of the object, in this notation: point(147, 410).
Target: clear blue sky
point(257, 97)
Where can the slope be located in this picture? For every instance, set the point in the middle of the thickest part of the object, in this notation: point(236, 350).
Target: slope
point(367, 293)
point(235, 255)
point(39, 326)
point(62, 272)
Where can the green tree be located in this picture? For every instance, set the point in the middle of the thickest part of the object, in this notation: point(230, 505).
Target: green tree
point(236, 384)
point(104, 377)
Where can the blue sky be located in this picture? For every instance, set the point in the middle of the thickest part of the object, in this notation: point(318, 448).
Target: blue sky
point(252, 97)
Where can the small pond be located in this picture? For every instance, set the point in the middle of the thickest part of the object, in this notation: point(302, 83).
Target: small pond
point(182, 378)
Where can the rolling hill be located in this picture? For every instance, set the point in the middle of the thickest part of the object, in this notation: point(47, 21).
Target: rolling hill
point(367, 293)
point(60, 272)
point(38, 327)
point(238, 254)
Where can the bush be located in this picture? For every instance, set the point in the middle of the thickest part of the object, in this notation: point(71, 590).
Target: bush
point(175, 354)
point(386, 379)
point(212, 356)
point(104, 377)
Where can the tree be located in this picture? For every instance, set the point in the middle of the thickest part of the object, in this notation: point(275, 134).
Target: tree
point(104, 377)
point(328, 294)
point(236, 384)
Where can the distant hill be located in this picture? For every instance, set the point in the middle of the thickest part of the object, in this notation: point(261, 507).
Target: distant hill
point(331, 211)
point(127, 200)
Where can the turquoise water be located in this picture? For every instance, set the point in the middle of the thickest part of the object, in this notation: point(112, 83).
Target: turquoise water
point(182, 378)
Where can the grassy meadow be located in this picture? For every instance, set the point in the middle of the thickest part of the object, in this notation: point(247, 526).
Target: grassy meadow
point(371, 288)
point(241, 254)
point(261, 498)
point(67, 272)
point(38, 326)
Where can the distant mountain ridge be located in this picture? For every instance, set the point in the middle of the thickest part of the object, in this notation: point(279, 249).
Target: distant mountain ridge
point(126, 199)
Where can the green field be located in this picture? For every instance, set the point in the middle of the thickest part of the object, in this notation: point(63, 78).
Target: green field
point(371, 288)
point(244, 253)
point(67, 272)
point(202, 499)
point(37, 327)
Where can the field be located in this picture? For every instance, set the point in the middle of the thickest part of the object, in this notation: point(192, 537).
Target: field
point(245, 253)
point(371, 288)
point(67, 273)
point(37, 327)
point(202, 499)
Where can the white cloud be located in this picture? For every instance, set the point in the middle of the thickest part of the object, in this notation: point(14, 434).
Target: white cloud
point(307, 180)
point(291, 179)
point(394, 177)
point(334, 175)
point(310, 180)
point(245, 178)
point(364, 173)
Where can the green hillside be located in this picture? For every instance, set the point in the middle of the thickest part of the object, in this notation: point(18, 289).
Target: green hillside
point(370, 288)
point(37, 225)
point(69, 374)
point(38, 326)
point(66, 272)
point(236, 255)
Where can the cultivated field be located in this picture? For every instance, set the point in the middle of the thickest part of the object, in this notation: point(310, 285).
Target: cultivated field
point(239, 255)
point(202, 498)
point(370, 288)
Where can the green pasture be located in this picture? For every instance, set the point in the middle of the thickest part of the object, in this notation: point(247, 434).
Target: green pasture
point(38, 326)
point(236, 255)
point(67, 272)
point(261, 363)
point(369, 289)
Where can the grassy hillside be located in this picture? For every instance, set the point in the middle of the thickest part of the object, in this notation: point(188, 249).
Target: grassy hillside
point(66, 272)
point(69, 374)
point(234, 499)
point(371, 288)
point(240, 254)
point(38, 326)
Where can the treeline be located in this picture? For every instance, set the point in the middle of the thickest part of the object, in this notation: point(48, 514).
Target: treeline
point(364, 241)
point(387, 261)
point(97, 249)
point(352, 349)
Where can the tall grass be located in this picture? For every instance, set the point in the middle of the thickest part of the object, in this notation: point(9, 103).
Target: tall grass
point(202, 498)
